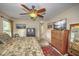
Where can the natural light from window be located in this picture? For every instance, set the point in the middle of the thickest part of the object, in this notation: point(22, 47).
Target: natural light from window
point(6, 27)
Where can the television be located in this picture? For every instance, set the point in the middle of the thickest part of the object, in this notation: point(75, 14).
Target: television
point(60, 25)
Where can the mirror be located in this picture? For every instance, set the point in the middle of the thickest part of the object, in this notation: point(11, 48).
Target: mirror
point(74, 39)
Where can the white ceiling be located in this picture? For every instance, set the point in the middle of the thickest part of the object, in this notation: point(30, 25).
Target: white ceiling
point(52, 9)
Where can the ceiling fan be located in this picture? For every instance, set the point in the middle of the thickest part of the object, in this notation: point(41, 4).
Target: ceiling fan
point(32, 12)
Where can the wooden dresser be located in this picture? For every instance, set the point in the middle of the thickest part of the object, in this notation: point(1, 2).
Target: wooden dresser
point(59, 40)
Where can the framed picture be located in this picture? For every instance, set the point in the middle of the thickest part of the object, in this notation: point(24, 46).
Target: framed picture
point(60, 25)
point(21, 26)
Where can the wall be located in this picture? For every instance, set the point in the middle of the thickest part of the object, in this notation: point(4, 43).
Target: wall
point(1, 25)
point(72, 16)
point(29, 24)
point(46, 33)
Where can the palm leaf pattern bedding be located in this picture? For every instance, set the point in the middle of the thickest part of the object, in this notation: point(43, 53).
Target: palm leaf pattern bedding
point(21, 46)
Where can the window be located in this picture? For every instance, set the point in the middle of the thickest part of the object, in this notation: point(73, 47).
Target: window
point(6, 27)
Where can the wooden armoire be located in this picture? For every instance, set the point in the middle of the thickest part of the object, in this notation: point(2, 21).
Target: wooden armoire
point(59, 40)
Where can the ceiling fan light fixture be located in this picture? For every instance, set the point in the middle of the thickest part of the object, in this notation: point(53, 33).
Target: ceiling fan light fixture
point(33, 15)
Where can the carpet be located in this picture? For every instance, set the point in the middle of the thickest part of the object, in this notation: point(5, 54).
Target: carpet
point(49, 51)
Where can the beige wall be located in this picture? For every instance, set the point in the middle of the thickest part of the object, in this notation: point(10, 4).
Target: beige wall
point(41, 30)
point(29, 24)
point(72, 16)
point(46, 33)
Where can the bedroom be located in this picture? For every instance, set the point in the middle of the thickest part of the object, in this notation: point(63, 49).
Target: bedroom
point(28, 37)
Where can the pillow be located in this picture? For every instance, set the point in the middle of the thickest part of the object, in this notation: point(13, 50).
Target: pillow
point(4, 37)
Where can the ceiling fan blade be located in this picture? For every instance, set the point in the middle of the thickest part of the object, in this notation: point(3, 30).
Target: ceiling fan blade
point(41, 16)
point(43, 13)
point(25, 7)
point(23, 13)
point(41, 10)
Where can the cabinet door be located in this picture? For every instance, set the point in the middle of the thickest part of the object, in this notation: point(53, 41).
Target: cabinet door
point(59, 40)
point(31, 32)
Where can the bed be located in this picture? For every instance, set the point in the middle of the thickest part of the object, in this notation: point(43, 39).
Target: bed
point(20, 46)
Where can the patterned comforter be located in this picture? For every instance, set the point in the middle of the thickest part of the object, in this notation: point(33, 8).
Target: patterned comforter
point(21, 47)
